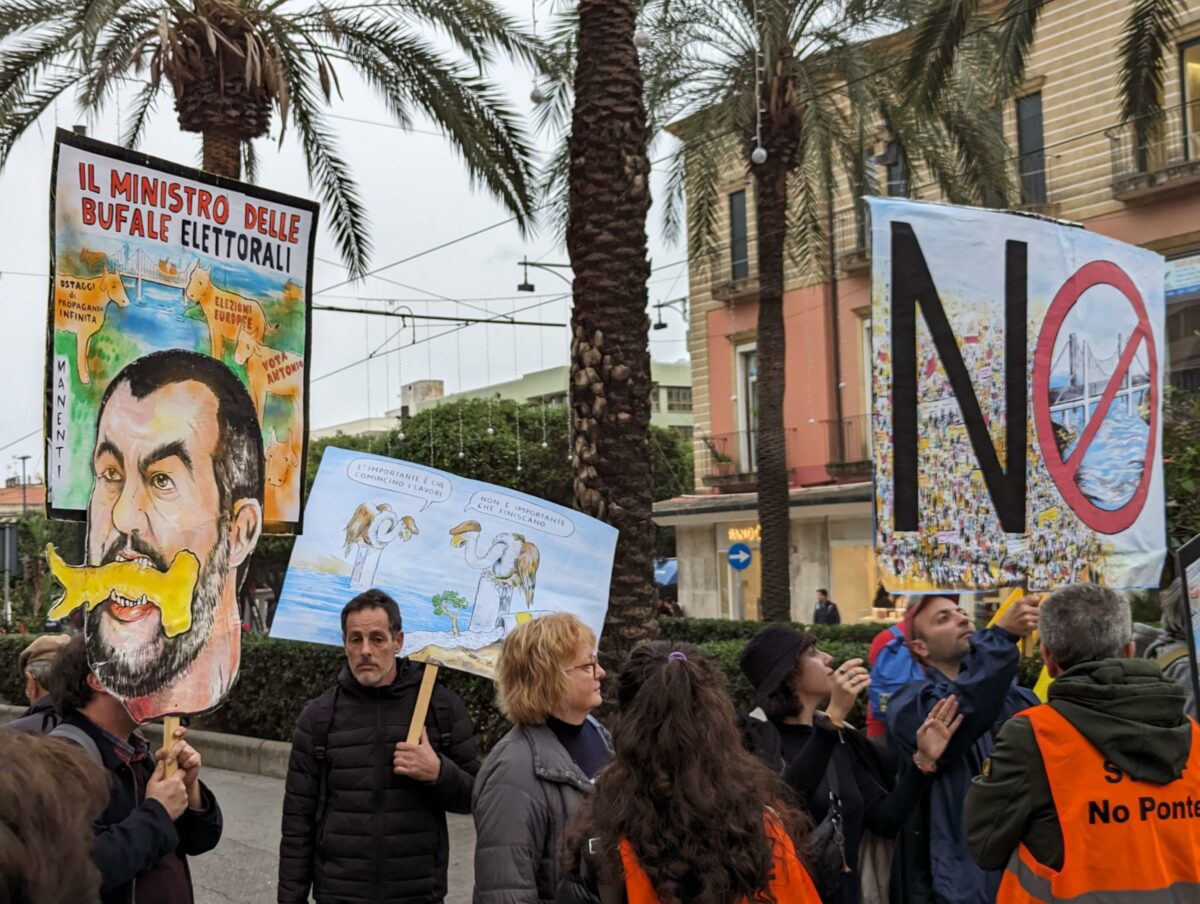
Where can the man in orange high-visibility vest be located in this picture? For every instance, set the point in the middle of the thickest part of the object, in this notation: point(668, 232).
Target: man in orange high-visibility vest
point(1094, 796)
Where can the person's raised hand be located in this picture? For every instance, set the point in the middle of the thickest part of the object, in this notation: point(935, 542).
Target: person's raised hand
point(1021, 618)
point(849, 680)
point(938, 728)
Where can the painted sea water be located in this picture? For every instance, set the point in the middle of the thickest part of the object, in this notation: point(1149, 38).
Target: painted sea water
point(1113, 465)
point(309, 594)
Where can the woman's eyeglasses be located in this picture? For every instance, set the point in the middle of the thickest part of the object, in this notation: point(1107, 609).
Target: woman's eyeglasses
point(589, 666)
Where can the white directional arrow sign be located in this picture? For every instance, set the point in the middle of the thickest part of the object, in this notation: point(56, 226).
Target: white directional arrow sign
point(740, 556)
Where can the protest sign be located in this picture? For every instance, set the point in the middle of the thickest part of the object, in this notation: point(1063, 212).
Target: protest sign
point(148, 256)
point(1017, 382)
point(466, 561)
point(1188, 562)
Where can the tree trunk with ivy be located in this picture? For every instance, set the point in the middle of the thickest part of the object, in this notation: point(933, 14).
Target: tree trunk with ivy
point(771, 439)
point(610, 357)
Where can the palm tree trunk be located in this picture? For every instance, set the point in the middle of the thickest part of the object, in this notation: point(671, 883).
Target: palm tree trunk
point(222, 154)
point(775, 546)
point(610, 358)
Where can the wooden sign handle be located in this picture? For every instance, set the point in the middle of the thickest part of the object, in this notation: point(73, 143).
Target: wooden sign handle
point(170, 723)
point(424, 695)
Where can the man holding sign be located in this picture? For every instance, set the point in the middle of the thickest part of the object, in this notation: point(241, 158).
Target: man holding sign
point(153, 822)
point(364, 816)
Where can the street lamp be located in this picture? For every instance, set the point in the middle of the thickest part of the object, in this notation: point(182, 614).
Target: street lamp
point(24, 458)
point(526, 286)
point(673, 304)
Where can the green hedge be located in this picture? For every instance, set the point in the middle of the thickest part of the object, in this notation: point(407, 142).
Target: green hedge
point(278, 677)
point(706, 630)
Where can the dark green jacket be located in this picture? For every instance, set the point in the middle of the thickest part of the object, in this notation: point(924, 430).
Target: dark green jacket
point(1124, 707)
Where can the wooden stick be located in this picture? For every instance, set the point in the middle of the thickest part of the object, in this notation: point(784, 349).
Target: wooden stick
point(170, 723)
point(428, 680)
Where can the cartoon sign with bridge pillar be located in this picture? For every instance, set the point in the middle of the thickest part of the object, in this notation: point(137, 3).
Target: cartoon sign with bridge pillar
point(466, 561)
point(148, 256)
point(1017, 395)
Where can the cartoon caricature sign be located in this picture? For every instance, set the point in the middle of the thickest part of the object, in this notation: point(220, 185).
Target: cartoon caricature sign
point(466, 561)
point(175, 410)
point(148, 256)
point(1018, 379)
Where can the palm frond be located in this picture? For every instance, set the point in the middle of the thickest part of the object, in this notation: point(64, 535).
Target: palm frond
point(22, 114)
point(347, 217)
point(472, 113)
point(249, 162)
point(143, 106)
point(1148, 34)
point(935, 42)
point(1014, 40)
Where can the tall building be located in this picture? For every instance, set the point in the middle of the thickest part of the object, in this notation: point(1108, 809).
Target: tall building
point(1071, 159)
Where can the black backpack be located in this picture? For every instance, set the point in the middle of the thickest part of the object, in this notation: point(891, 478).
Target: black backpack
point(323, 712)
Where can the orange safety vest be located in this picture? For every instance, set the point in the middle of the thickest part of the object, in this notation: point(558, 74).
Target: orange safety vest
point(790, 883)
point(1124, 841)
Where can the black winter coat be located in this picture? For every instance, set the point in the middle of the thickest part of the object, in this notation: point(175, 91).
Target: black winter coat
point(383, 836)
point(133, 834)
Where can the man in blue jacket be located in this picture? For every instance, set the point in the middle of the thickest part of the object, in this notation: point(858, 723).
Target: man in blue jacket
point(979, 668)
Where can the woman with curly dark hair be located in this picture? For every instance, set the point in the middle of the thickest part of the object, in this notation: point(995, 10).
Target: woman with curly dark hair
point(682, 813)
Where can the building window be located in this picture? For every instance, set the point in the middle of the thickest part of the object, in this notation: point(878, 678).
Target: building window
point(682, 431)
point(897, 171)
point(739, 244)
point(679, 398)
point(746, 358)
point(1031, 145)
point(1189, 63)
point(655, 404)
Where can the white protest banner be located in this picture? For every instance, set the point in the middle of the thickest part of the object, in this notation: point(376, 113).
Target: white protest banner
point(1017, 380)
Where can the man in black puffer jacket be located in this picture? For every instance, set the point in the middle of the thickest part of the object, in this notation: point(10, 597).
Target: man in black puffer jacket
point(364, 815)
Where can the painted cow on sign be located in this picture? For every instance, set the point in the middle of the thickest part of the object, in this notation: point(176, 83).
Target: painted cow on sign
point(282, 488)
point(79, 306)
point(270, 372)
point(227, 313)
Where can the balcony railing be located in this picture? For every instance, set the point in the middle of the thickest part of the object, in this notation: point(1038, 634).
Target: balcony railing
point(848, 445)
point(1166, 160)
point(730, 460)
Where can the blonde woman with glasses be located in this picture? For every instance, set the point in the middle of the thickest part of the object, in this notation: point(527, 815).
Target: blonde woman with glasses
point(547, 683)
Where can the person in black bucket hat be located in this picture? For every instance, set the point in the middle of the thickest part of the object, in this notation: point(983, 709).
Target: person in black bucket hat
point(834, 769)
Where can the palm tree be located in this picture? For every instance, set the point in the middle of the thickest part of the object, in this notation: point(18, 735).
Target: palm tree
point(233, 64)
point(609, 199)
point(795, 90)
point(946, 25)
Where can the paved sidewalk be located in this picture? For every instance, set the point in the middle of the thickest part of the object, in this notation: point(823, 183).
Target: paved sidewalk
point(243, 867)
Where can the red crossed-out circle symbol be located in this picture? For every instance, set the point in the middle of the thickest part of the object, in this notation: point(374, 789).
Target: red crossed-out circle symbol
point(1097, 273)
